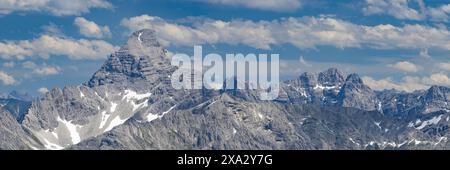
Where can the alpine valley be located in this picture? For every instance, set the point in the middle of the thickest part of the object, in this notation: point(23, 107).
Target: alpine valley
point(129, 103)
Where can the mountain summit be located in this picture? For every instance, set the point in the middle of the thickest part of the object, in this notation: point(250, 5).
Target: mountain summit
point(354, 93)
point(331, 77)
point(141, 58)
point(133, 83)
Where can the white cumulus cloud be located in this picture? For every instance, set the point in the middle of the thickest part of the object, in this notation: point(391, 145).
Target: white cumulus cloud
point(49, 45)
point(29, 65)
point(403, 9)
point(52, 29)
point(441, 13)
point(46, 70)
point(10, 64)
point(404, 66)
point(10, 50)
point(397, 8)
point(304, 32)
point(444, 66)
point(7, 79)
point(54, 7)
point(408, 83)
point(91, 29)
point(41, 70)
point(43, 90)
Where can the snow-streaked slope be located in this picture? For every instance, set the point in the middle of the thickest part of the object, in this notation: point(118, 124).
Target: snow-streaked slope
point(115, 111)
point(73, 130)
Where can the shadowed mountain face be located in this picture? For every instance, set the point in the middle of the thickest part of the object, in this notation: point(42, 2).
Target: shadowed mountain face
point(129, 103)
point(16, 104)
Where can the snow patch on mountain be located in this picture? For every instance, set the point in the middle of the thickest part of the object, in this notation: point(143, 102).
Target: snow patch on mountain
point(53, 133)
point(72, 128)
point(105, 118)
point(82, 94)
point(353, 141)
point(51, 146)
point(378, 125)
point(130, 96)
point(435, 120)
point(150, 117)
point(115, 122)
point(321, 87)
point(113, 107)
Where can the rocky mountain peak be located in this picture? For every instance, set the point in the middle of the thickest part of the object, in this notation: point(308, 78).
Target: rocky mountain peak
point(331, 77)
point(354, 93)
point(436, 98)
point(141, 58)
point(438, 92)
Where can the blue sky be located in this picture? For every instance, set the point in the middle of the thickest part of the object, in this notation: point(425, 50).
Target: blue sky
point(402, 44)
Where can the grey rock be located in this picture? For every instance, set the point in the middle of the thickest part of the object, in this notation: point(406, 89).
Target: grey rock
point(401, 104)
point(354, 93)
point(12, 135)
point(129, 103)
point(331, 77)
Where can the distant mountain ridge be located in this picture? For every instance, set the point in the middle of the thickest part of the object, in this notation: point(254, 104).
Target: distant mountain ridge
point(16, 103)
point(352, 92)
point(129, 103)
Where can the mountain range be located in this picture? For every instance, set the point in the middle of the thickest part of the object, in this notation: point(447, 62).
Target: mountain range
point(129, 103)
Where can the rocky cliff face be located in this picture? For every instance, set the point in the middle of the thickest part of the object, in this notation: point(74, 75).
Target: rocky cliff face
point(129, 103)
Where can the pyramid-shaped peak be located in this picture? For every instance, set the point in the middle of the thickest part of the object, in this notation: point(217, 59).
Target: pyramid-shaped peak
point(435, 92)
point(141, 58)
point(332, 76)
